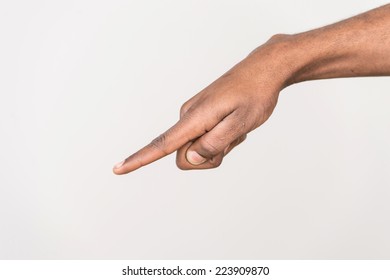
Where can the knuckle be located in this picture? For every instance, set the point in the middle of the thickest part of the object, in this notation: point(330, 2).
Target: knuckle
point(184, 167)
point(187, 116)
point(278, 37)
point(209, 147)
point(159, 143)
point(246, 120)
point(240, 128)
point(242, 138)
point(184, 108)
point(233, 132)
point(181, 164)
point(215, 162)
point(266, 108)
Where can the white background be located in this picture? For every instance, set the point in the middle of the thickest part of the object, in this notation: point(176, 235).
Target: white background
point(85, 83)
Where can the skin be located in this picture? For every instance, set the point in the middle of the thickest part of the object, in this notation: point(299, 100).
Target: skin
point(218, 118)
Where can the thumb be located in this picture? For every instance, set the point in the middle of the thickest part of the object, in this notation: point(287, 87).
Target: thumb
point(194, 158)
point(207, 151)
point(210, 146)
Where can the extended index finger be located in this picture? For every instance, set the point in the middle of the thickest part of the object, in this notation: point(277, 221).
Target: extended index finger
point(182, 132)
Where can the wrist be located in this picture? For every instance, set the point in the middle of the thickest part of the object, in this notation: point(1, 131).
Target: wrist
point(307, 56)
point(319, 54)
point(312, 55)
point(330, 52)
point(284, 58)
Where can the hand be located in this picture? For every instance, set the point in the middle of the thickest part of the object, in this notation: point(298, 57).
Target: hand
point(218, 118)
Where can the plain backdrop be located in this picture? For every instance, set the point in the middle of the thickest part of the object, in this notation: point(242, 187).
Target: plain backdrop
point(83, 84)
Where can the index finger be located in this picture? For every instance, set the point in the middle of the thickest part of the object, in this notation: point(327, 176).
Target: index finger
point(182, 132)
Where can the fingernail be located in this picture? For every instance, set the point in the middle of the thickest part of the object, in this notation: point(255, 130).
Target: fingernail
point(194, 158)
point(119, 164)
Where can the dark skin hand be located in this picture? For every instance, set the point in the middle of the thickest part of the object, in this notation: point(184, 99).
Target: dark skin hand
point(219, 117)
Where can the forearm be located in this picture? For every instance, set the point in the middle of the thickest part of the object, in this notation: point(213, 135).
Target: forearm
point(356, 47)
